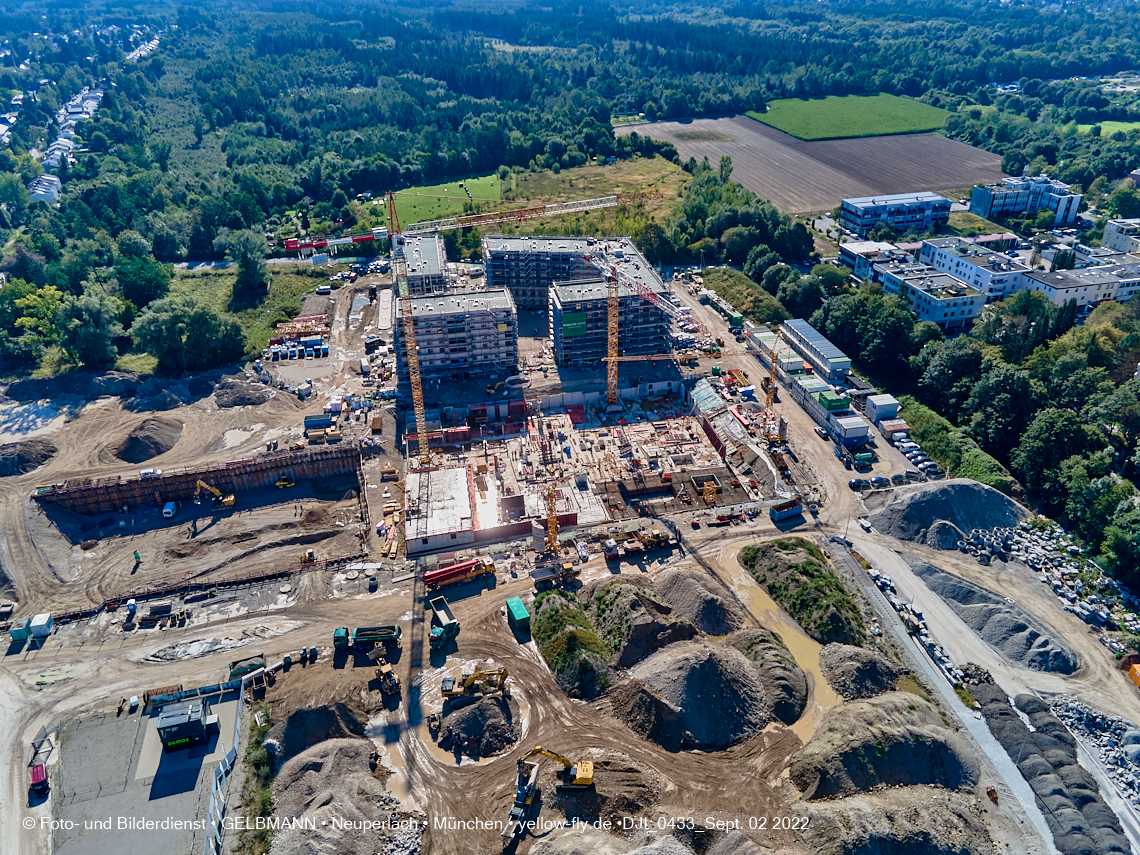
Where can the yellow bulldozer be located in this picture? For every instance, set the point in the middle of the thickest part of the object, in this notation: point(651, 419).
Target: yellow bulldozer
point(465, 685)
point(574, 776)
point(220, 500)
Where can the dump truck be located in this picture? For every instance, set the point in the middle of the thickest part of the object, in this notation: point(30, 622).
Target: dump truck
point(444, 625)
point(550, 575)
point(367, 636)
point(517, 615)
point(526, 789)
point(456, 573)
point(612, 550)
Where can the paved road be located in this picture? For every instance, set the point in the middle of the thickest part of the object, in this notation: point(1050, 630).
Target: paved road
point(994, 755)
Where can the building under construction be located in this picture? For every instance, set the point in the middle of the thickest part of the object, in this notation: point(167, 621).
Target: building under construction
point(527, 266)
point(578, 321)
point(462, 335)
point(427, 265)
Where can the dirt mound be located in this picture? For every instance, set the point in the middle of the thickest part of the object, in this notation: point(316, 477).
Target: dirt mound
point(701, 600)
point(785, 684)
point(1081, 822)
point(239, 393)
point(588, 840)
point(907, 821)
point(798, 576)
point(920, 513)
point(1005, 626)
point(307, 727)
point(857, 673)
point(336, 780)
point(18, 458)
point(896, 739)
point(84, 383)
point(569, 643)
point(634, 621)
point(150, 439)
point(694, 694)
point(482, 729)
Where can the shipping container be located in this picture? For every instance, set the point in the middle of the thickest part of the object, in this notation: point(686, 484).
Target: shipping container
point(785, 510)
point(517, 615)
point(40, 626)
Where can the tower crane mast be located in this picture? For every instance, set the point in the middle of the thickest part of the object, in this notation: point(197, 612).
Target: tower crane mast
point(400, 277)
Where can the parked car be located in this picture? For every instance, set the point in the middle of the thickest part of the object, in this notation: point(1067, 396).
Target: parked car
point(880, 483)
point(935, 474)
point(859, 484)
point(820, 432)
point(898, 480)
point(927, 465)
point(914, 475)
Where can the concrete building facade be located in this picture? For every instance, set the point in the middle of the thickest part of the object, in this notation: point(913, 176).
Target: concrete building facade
point(1026, 195)
point(578, 322)
point(995, 274)
point(527, 266)
point(932, 295)
point(427, 265)
point(902, 212)
point(461, 336)
point(1122, 235)
point(1087, 286)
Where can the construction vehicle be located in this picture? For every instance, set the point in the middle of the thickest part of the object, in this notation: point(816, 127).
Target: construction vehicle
point(221, 500)
point(993, 794)
point(551, 575)
point(612, 550)
point(708, 492)
point(444, 625)
point(389, 682)
point(657, 539)
point(284, 481)
point(463, 571)
point(367, 636)
point(574, 776)
point(526, 789)
point(465, 686)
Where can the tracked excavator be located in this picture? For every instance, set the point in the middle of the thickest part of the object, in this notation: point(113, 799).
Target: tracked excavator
point(465, 685)
point(220, 499)
point(574, 776)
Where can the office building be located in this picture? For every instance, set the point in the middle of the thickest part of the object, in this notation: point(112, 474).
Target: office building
point(1121, 235)
point(901, 212)
point(931, 294)
point(462, 336)
point(995, 274)
point(578, 322)
point(1087, 286)
point(1026, 195)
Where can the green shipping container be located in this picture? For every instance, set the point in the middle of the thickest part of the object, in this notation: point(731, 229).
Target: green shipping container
point(832, 402)
point(517, 615)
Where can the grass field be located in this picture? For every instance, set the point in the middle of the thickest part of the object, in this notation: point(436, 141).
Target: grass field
point(961, 221)
point(842, 117)
point(1107, 129)
point(444, 200)
point(215, 287)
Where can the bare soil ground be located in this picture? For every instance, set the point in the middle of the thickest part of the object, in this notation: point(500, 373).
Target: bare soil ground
point(800, 177)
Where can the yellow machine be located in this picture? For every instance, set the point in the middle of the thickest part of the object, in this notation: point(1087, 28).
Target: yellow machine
point(551, 496)
point(574, 776)
point(389, 682)
point(464, 686)
point(285, 481)
point(708, 492)
point(220, 500)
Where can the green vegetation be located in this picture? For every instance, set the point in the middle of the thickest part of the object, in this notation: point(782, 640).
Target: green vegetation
point(1107, 129)
point(257, 790)
point(841, 117)
point(570, 644)
point(965, 223)
point(799, 577)
point(436, 201)
point(746, 296)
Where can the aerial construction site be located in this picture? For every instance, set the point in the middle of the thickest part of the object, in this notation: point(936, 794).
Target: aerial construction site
point(551, 554)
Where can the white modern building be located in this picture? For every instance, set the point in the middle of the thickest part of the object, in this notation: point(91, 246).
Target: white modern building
point(1121, 235)
point(1088, 286)
point(1026, 195)
point(931, 294)
point(901, 212)
point(46, 188)
point(995, 274)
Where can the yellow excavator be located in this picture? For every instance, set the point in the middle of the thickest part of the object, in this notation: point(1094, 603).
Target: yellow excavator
point(284, 482)
point(464, 686)
point(574, 776)
point(220, 500)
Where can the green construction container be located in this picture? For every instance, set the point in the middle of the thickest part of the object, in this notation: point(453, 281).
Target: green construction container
point(832, 402)
point(716, 371)
point(517, 615)
point(21, 632)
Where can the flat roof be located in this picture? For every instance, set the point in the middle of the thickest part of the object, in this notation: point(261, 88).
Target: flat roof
point(498, 299)
point(1107, 275)
point(536, 243)
point(859, 247)
point(942, 286)
point(896, 198)
point(597, 289)
point(815, 338)
point(447, 500)
point(173, 715)
point(425, 255)
point(979, 256)
point(879, 400)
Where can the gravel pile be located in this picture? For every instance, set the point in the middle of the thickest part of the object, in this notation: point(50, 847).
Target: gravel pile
point(159, 393)
point(785, 684)
point(482, 729)
point(857, 673)
point(1005, 626)
point(701, 600)
point(335, 780)
point(1115, 740)
point(938, 513)
point(305, 728)
point(153, 437)
point(18, 458)
point(84, 383)
point(239, 393)
point(694, 694)
point(634, 621)
point(896, 739)
point(1081, 822)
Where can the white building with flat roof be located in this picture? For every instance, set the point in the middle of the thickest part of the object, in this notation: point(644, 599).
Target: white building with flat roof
point(902, 212)
point(932, 295)
point(1087, 286)
point(995, 274)
point(1121, 235)
point(1026, 195)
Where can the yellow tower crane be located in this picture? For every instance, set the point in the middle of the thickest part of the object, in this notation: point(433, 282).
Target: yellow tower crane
point(551, 496)
point(403, 297)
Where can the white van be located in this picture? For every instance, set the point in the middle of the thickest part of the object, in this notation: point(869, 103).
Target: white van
point(169, 509)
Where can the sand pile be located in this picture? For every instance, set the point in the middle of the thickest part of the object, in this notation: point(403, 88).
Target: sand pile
point(18, 458)
point(937, 513)
point(701, 600)
point(906, 821)
point(239, 393)
point(634, 621)
point(785, 684)
point(1007, 627)
point(483, 729)
point(153, 437)
point(307, 727)
point(896, 739)
point(84, 383)
point(335, 780)
point(693, 694)
point(857, 673)
point(1081, 822)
